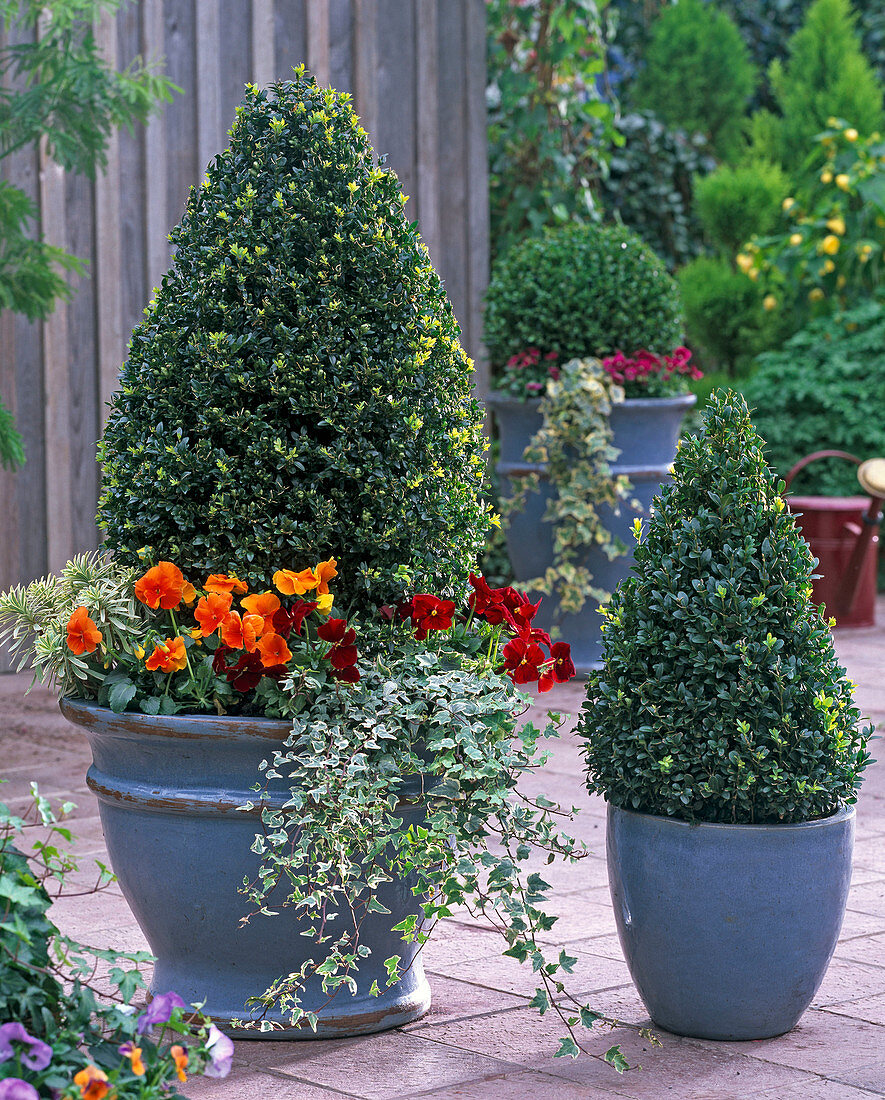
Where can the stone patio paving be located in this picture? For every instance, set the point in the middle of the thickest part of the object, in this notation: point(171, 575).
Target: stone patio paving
point(480, 1039)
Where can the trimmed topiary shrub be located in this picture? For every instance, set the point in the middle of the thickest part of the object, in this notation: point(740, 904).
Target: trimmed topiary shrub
point(822, 390)
point(582, 292)
point(721, 697)
point(297, 389)
point(825, 75)
point(735, 203)
point(698, 74)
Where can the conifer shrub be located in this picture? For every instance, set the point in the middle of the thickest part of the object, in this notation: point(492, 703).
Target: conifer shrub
point(824, 75)
point(698, 74)
point(581, 291)
point(721, 697)
point(297, 389)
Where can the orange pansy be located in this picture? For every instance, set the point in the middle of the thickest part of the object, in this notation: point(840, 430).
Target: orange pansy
point(263, 604)
point(179, 1055)
point(291, 583)
point(162, 586)
point(273, 650)
point(168, 656)
point(212, 610)
point(83, 634)
point(325, 571)
point(221, 582)
point(189, 593)
point(253, 627)
point(92, 1082)
point(133, 1053)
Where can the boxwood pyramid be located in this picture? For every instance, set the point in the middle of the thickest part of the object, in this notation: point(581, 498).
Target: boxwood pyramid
point(297, 389)
point(721, 697)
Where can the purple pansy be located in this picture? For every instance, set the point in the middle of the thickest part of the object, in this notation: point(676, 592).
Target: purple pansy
point(158, 1011)
point(221, 1051)
point(37, 1058)
point(14, 1088)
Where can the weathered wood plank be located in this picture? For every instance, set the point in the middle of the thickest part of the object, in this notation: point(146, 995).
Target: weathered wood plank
point(365, 63)
point(210, 129)
point(56, 347)
point(132, 190)
point(106, 265)
point(427, 182)
point(290, 37)
point(341, 45)
point(318, 45)
point(182, 168)
point(234, 59)
point(477, 180)
point(453, 110)
point(81, 362)
point(263, 61)
point(395, 121)
point(157, 224)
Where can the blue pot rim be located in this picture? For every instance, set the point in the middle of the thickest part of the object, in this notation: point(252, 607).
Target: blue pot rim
point(496, 399)
point(81, 712)
point(843, 814)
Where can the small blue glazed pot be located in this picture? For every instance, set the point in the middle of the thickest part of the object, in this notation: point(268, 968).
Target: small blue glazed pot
point(168, 791)
point(645, 431)
point(728, 929)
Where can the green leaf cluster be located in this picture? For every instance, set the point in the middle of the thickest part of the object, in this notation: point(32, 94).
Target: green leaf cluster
point(721, 697)
point(458, 834)
point(650, 183)
point(698, 74)
point(575, 446)
point(825, 73)
point(818, 391)
point(297, 389)
point(550, 127)
point(581, 291)
point(47, 979)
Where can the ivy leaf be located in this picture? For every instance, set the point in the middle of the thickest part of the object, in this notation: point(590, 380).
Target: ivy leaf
point(568, 1048)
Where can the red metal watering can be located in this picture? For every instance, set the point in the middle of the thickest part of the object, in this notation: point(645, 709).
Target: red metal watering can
point(843, 533)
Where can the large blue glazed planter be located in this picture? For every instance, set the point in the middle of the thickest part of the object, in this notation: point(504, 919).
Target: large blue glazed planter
point(168, 791)
point(728, 929)
point(645, 431)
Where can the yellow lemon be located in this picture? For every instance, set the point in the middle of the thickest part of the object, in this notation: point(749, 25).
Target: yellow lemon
point(769, 302)
point(795, 238)
point(851, 134)
point(826, 176)
point(816, 295)
point(788, 204)
point(827, 267)
point(837, 225)
point(753, 274)
point(843, 181)
point(832, 122)
point(744, 262)
point(830, 244)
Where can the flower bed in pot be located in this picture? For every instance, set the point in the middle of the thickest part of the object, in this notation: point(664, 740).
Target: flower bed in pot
point(303, 706)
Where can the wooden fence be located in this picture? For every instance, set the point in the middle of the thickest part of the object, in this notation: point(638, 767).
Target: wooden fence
point(416, 69)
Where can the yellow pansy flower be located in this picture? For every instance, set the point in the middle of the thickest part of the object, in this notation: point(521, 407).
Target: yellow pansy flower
point(837, 225)
point(830, 244)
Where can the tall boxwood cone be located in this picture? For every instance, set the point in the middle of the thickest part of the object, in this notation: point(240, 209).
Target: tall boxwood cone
point(297, 389)
point(721, 698)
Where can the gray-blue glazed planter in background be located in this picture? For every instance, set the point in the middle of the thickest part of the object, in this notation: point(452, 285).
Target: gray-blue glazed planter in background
point(645, 431)
point(728, 929)
point(168, 791)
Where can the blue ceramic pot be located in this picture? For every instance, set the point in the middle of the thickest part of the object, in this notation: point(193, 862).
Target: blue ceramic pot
point(728, 929)
point(168, 791)
point(645, 430)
